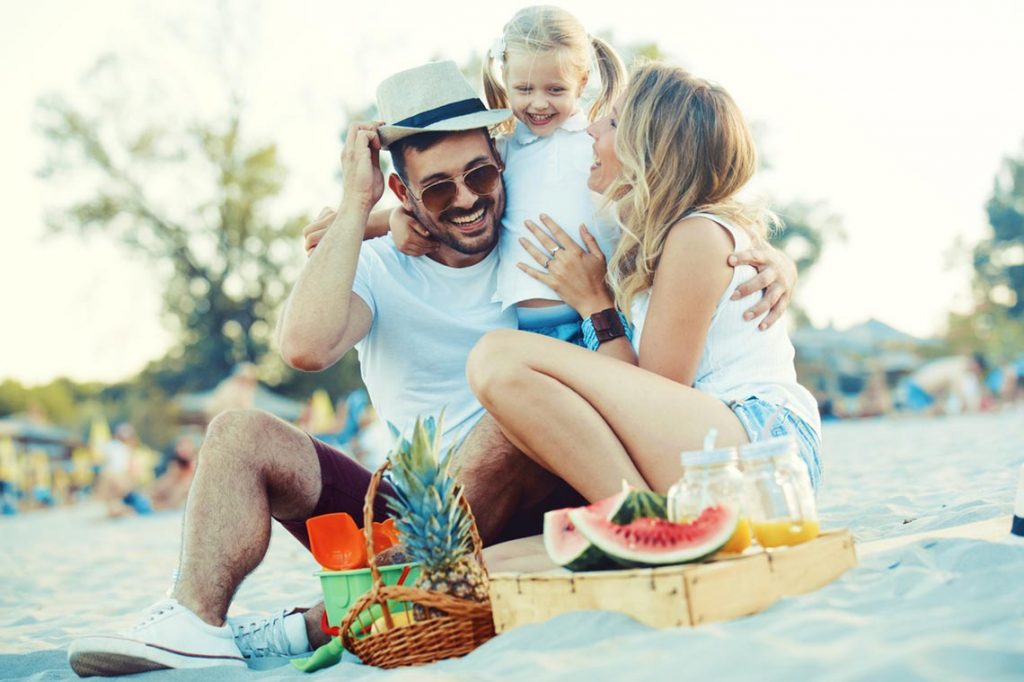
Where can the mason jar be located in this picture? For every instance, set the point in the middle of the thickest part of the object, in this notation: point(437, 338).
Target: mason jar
point(777, 493)
point(710, 478)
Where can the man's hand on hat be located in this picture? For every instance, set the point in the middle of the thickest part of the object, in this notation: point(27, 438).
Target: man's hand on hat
point(410, 237)
point(362, 178)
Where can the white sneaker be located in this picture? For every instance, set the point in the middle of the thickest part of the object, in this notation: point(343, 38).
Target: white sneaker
point(170, 636)
point(281, 635)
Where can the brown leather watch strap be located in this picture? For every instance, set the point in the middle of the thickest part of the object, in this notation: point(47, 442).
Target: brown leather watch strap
point(607, 325)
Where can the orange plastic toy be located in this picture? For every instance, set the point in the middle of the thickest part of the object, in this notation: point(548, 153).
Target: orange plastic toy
point(338, 544)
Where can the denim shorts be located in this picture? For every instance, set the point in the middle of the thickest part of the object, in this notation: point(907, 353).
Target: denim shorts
point(558, 321)
point(755, 413)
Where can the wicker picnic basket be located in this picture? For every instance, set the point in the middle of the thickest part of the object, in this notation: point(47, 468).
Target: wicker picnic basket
point(467, 625)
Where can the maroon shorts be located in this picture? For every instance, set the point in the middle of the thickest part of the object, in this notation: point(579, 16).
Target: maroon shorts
point(344, 483)
point(343, 486)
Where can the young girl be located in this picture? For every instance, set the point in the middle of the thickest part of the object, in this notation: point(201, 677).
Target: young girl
point(539, 68)
point(673, 155)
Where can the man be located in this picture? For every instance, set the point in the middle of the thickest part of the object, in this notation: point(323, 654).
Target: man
point(413, 321)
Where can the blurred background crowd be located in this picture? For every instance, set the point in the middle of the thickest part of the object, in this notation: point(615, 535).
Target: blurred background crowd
point(43, 464)
point(880, 372)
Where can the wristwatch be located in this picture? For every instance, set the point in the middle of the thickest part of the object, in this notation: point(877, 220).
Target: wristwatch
point(607, 325)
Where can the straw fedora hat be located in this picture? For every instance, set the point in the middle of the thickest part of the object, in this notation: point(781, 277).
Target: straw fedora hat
point(432, 97)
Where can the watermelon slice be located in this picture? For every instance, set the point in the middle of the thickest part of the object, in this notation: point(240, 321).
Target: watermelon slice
point(657, 542)
point(567, 546)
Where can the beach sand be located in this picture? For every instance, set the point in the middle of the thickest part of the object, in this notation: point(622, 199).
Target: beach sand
point(947, 609)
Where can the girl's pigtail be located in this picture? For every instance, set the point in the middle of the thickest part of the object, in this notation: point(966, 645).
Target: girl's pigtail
point(613, 77)
point(495, 93)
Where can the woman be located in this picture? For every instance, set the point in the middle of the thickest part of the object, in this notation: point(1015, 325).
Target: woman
point(672, 156)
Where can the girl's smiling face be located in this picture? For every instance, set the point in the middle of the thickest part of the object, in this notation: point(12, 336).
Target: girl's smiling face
point(540, 93)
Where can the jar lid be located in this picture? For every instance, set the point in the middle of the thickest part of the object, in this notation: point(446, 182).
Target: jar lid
point(767, 449)
point(705, 457)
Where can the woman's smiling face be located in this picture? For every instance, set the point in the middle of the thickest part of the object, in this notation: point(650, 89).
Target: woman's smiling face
point(606, 164)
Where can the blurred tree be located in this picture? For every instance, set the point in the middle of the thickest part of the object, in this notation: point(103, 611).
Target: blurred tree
point(999, 258)
point(806, 228)
point(989, 329)
point(994, 326)
point(13, 397)
point(198, 202)
point(222, 254)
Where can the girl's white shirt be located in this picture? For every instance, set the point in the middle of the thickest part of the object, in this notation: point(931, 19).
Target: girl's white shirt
point(739, 361)
point(547, 175)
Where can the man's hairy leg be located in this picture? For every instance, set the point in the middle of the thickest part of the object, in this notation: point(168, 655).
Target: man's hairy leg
point(252, 466)
point(498, 480)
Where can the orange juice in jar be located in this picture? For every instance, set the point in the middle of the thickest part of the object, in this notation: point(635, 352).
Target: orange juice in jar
point(777, 491)
point(710, 478)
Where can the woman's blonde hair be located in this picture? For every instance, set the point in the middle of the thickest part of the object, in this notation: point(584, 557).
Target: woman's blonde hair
point(684, 148)
point(542, 29)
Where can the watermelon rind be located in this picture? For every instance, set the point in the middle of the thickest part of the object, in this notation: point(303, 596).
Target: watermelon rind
point(566, 546)
point(639, 504)
point(569, 548)
point(657, 542)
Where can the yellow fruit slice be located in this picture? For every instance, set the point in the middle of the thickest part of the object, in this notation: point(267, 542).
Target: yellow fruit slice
point(400, 619)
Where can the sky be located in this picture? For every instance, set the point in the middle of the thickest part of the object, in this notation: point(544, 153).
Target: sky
point(894, 115)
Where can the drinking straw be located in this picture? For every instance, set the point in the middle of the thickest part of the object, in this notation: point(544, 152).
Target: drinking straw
point(709, 439)
point(768, 425)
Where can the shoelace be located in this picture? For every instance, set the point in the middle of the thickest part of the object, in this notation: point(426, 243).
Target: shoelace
point(158, 610)
point(260, 638)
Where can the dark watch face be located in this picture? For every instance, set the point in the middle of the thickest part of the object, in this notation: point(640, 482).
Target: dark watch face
point(607, 325)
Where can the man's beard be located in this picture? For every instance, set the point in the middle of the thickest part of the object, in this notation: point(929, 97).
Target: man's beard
point(452, 238)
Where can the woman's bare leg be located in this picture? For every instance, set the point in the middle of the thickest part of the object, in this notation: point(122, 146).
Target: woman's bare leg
point(591, 419)
point(549, 422)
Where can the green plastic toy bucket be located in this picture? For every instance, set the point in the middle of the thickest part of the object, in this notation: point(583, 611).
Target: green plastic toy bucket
point(343, 588)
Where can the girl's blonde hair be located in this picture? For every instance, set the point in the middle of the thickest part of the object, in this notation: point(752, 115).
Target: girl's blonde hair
point(543, 29)
point(684, 148)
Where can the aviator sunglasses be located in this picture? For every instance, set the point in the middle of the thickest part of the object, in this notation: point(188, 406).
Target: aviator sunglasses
point(480, 181)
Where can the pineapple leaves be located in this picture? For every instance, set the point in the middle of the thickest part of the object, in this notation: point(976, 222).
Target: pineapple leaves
point(433, 525)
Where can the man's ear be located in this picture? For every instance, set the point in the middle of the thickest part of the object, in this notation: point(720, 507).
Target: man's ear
point(400, 190)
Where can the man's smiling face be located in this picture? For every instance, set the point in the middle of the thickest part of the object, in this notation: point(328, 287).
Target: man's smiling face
point(467, 228)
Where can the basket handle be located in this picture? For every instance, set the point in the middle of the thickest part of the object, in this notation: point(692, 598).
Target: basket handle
point(374, 594)
point(371, 494)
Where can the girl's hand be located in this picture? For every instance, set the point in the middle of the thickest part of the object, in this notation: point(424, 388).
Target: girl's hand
point(315, 231)
point(576, 274)
point(409, 235)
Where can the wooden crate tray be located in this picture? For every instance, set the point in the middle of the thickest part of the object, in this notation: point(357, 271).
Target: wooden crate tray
point(726, 587)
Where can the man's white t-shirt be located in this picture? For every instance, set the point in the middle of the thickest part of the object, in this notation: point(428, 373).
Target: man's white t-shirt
point(426, 318)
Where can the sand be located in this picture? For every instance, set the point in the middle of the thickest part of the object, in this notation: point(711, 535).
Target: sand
point(940, 609)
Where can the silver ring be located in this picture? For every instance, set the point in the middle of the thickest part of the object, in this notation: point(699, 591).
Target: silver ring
point(547, 263)
point(557, 248)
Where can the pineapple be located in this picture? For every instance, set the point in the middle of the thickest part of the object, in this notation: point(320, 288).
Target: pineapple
point(434, 528)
